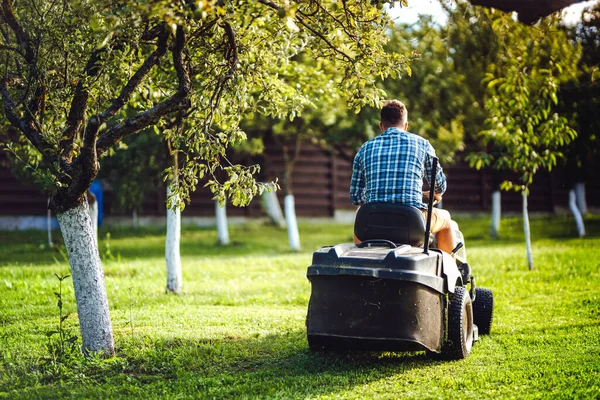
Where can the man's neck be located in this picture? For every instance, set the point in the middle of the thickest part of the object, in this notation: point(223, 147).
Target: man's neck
point(385, 128)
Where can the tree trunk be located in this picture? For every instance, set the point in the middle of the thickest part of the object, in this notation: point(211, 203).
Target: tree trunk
point(292, 224)
point(576, 213)
point(88, 280)
point(94, 218)
point(172, 254)
point(273, 208)
point(221, 218)
point(289, 204)
point(49, 224)
point(527, 231)
point(580, 197)
point(134, 219)
point(496, 214)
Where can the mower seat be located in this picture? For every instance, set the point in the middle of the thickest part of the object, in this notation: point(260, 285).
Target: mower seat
point(397, 223)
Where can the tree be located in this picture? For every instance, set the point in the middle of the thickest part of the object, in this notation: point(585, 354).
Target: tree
point(522, 85)
point(209, 62)
point(580, 98)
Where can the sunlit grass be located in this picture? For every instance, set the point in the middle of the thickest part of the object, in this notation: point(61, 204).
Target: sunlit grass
point(237, 331)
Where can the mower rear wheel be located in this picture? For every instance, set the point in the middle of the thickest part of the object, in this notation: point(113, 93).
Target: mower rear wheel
point(460, 325)
point(483, 310)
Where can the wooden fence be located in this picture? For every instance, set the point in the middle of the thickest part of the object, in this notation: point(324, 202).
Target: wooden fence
point(320, 185)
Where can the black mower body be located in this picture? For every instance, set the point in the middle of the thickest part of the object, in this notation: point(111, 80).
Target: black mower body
point(381, 297)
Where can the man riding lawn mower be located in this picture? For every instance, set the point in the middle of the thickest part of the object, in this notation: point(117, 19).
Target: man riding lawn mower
point(390, 290)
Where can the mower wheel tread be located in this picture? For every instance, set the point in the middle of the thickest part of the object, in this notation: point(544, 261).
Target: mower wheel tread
point(483, 310)
point(460, 325)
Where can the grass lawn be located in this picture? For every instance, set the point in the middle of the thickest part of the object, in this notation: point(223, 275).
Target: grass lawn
point(238, 331)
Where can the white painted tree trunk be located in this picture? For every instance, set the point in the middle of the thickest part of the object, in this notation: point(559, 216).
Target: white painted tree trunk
point(292, 224)
point(135, 222)
point(94, 217)
point(172, 254)
point(527, 231)
point(88, 280)
point(49, 224)
point(273, 208)
point(576, 213)
point(496, 214)
point(580, 197)
point(221, 218)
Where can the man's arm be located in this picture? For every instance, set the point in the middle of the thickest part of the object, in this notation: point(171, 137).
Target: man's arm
point(357, 183)
point(440, 178)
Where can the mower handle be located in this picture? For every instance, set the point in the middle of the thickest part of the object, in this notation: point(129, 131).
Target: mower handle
point(368, 243)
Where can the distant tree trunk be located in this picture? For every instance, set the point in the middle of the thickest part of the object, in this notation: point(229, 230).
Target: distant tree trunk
point(527, 231)
point(49, 224)
point(221, 219)
point(172, 243)
point(496, 214)
point(134, 218)
point(576, 213)
point(273, 208)
point(292, 224)
point(289, 202)
point(580, 197)
point(88, 279)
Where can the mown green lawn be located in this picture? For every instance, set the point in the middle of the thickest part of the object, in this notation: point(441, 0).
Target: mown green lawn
point(238, 331)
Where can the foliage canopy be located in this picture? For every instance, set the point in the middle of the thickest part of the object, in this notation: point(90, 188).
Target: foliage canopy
point(192, 68)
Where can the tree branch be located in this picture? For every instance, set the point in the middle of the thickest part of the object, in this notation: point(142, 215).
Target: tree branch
point(8, 15)
point(147, 118)
point(178, 102)
point(231, 55)
point(183, 77)
point(307, 26)
point(79, 105)
point(25, 126)
point(136, 79)
point(10, 48)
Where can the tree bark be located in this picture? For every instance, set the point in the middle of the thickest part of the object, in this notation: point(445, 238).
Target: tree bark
point(88, 280)
point(172, 254)
point(221, 219)
point(526, 231)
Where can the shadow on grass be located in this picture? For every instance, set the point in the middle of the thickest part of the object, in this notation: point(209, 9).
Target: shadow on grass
point(269, 366)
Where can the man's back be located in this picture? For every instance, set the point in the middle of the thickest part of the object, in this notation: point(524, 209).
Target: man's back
point(390, 168)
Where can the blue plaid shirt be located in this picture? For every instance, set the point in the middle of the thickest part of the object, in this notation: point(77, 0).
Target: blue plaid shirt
point(390, 168)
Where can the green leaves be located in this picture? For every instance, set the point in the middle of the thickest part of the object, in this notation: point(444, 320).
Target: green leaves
point(275, 58)
point(521, 92)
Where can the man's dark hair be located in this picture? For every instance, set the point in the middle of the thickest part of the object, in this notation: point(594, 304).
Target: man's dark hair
point(393, 113)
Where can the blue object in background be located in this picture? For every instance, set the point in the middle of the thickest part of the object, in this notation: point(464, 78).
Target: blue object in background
point(96, 189)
